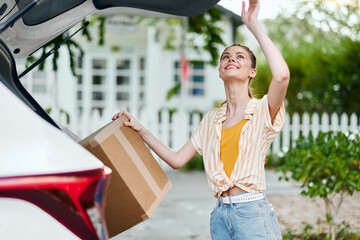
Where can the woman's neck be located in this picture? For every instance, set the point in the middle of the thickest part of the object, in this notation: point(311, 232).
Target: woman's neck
point(237, 98)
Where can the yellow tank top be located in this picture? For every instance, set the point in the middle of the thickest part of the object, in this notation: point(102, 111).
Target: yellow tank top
point(229, 146)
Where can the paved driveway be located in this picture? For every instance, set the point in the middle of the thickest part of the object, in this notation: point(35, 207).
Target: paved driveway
point(185, 211)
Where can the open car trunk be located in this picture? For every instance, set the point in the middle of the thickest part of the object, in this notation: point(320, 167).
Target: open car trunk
point(50, 18)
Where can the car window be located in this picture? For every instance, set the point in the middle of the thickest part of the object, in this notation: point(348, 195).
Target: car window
point(46, 10)
point(184, 7)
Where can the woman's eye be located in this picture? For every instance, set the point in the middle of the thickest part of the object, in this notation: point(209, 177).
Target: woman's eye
point(240, 56)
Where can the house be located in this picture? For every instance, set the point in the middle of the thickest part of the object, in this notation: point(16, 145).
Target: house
point(132, 71)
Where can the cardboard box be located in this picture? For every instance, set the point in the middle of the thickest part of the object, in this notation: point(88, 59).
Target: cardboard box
point(137, 183)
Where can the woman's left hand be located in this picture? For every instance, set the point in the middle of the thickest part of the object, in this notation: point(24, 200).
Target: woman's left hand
point(133, 123)
point(250, 16)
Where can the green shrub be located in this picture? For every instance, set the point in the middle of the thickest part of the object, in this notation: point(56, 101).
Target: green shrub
point(196, 163)
point(274, 160)
point(326, 166)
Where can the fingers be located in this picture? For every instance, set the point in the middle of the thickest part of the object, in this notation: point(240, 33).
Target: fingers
point(117, 115)
point(129, 124)
point(132, 123)
point(250, 14)
point(253, 4)
point(135, 125)
point(128, 115)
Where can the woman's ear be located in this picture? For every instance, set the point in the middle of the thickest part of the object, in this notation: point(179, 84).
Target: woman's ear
point(252, 73)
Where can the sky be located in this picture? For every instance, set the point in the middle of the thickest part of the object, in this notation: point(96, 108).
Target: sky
point(268, 8)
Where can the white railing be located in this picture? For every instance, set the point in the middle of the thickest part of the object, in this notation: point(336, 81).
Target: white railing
point(176, 130)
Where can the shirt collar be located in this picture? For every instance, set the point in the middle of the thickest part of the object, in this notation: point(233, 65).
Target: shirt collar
point(248, 113)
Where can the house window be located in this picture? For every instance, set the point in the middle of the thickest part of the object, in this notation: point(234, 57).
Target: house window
point(98, 80)
point(109, 83)
point(142, 63)
point(198, 79)
point(197, 92)
point(79, 62)
point(79, 79)
point(99, 109)
point(123, 64)
point(123, 76)
point(141, 94)
point(196, 85)
point(122, 96)
point(98, 96)
point(39, 82)
point(99, 64)
point(122, 80)
point(80, 82)
point(79, 95)
point(80, 111)
point(142, 80)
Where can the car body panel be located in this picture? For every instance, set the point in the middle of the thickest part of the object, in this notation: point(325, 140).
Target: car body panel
point(30, 145)
point(20, 224)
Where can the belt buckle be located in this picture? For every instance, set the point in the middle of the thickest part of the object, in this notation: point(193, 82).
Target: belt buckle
point(223, 201)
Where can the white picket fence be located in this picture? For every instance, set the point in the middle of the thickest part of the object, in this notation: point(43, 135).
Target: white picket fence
point(176, 130)
point(295, 126)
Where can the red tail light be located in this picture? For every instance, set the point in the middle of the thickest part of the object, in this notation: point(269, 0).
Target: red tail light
point(75, 199)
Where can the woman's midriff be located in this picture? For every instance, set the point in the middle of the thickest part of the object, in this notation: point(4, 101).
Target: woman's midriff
point(232, 191)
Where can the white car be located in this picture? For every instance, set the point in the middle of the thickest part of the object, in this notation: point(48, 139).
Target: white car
point(50, 186)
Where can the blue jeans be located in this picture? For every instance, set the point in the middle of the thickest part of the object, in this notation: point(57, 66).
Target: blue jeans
point(246, 221)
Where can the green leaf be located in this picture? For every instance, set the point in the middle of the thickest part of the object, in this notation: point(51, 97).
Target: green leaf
point(328, 217)
point(173, 91)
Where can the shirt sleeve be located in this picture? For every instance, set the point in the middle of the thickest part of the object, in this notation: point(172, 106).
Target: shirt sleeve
point(197, 136)
point(279, 117)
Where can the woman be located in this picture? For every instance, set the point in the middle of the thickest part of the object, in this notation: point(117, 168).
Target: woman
point(234, 138)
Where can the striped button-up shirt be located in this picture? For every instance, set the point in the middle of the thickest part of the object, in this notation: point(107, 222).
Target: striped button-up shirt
point(255, 139)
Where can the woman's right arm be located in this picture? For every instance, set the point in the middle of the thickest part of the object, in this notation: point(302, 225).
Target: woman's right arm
point(175, 159)
point(277, 64)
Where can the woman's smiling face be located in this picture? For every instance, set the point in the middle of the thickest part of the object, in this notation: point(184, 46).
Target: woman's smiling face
point(235, 64)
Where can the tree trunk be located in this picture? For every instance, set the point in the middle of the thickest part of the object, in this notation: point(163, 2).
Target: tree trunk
point(328, 210)
point(333, 211)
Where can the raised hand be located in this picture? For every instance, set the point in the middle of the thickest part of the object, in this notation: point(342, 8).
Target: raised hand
point(250, 16)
